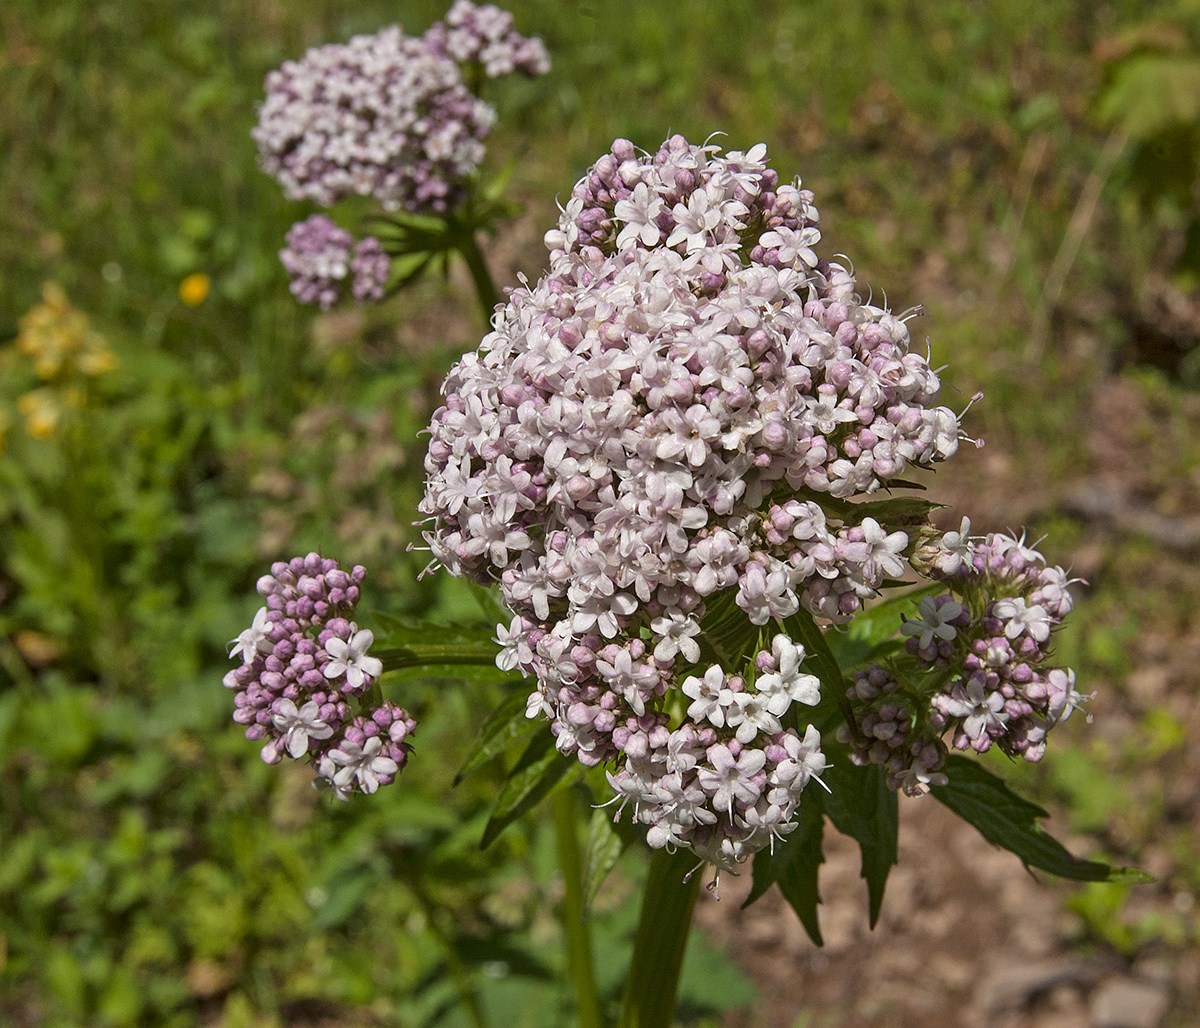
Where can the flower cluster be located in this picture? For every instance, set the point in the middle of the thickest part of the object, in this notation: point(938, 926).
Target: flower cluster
point(987, 644)
point(66, 353)
point(484, 35)
point(650, 429)
point(383, 115)
point(303, 665)
point(727, 781)
point(321, 255)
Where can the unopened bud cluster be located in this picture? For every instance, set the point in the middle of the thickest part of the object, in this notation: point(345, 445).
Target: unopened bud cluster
point(321, 258)
point(977, 665)
point(305, 674)
point(650, 429)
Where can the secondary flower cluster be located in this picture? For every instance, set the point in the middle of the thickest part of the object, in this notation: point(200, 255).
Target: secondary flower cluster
point(383, 115)
point(303, 665)
point(484, 35)
point(977, 664)
point(387, 116)
point(321, 257)
point(651, 427)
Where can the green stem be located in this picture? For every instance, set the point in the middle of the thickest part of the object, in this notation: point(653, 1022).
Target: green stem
point(575, 928)
point(662, 934)
point(485, 288)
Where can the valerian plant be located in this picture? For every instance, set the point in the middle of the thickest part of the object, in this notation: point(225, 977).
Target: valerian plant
point(670, 462)
point(398, 119)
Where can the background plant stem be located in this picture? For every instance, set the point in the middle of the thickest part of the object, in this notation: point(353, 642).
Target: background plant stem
point(668, 899)
point(485, 287)
point(575, 928)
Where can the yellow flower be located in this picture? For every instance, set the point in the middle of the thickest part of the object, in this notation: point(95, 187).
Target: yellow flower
point(41, 411)
point(194, 288)
point(59, 340)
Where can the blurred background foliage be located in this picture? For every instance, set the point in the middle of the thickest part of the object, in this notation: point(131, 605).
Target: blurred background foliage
point(1027, 170)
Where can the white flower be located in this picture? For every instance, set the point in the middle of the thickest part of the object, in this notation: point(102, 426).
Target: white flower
point(955, 549)
point(363, 763)
point(933, 622)
point(748, 714)
point(639, 213)
point(1034, 621)
point(729, 779)
point(515, 652)
point(788, 684)
point(883, 550)
point(254, 641)
point(978, 711)
point(676, 632)
point(300, 725)
point(710, 696)
point(804, 762)
point(350, 659)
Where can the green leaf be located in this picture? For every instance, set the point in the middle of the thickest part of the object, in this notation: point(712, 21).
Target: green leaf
point(1005, 819)
point(606, 842)
point(535, 774)
point(1150, 93)
point(504, 726)
point(792, 864)
point(882, 621)
point(896, 513)
point(408, 644)
point(861, 805)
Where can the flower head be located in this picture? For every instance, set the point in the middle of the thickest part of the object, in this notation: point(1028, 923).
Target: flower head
point(385, 115)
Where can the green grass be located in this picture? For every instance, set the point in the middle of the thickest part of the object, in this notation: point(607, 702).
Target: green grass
point(152, 870)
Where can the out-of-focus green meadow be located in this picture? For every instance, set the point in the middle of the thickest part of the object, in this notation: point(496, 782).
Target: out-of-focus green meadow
point(1003, 164)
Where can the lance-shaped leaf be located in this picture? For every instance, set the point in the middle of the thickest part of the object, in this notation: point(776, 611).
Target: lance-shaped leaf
point(1005, 819)
point(504, 726)
point(407, 644)
point(792, 864)
point(537, 772)
point(606, 841)
point(861, 805)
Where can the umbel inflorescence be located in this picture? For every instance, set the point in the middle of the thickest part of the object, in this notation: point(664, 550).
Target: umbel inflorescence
point(388, 116)
point(663, 433)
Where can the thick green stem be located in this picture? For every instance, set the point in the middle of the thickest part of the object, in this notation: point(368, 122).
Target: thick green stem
point(576, 930)
point(662, 935)
point(485, 289)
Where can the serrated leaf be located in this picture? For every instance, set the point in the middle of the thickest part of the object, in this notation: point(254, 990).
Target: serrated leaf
point(504, 726)
point(1006, 820)
point(538, 771)
point(897, 512)
point(409, 644)
point(606, 841)
point(793, 864)
point(861, 805)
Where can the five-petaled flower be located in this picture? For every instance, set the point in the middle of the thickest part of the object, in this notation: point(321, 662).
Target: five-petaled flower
point(350, 658)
